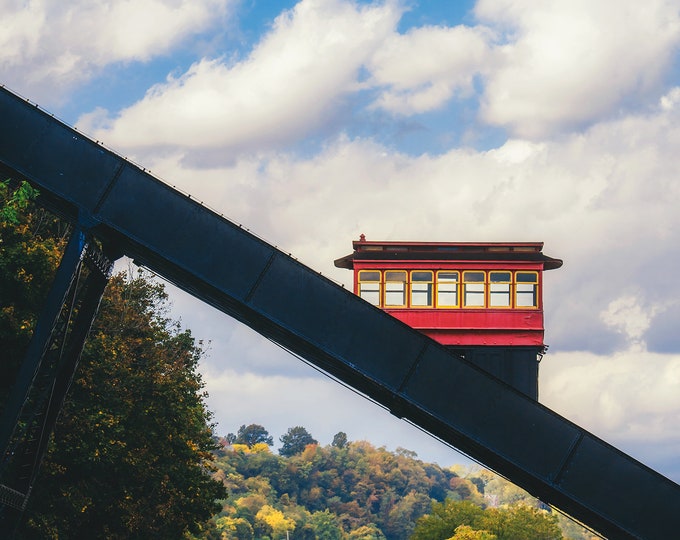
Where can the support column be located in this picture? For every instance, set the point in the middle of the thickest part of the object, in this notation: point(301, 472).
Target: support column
point(46, 373)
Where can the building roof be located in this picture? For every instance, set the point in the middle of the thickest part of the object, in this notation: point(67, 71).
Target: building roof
point(447, 251)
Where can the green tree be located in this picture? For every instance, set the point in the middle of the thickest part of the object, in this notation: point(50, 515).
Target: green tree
point(251, 435)
point(518, 522)
point(295, 441)
point(339, 440)
point(130, 457)
point(465, 532)
point(445, 518)
point(17, 198)
point(521, 522)
point(326, 526)
point(367, 532)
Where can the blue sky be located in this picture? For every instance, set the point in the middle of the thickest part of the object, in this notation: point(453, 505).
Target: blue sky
point(312, 122)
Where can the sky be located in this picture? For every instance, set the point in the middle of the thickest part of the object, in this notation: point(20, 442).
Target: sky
point(313, 122)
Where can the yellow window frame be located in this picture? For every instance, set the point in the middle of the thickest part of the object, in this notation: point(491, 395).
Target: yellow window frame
point(509, 290)
point(446, 281)
point(534, 292)
point(389, 292)
point(370, 290)
point(428, 291)
point(474, 291)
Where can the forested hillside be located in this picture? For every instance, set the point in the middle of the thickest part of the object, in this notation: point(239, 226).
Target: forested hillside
point(352, 490)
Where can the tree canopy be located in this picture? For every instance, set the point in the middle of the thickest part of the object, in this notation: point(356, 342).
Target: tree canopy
point(463, 519)
point(360, 492)
point(131, 453)
point(251, 435)
point(295, 440)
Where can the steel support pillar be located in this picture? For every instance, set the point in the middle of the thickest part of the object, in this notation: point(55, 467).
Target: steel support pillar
point(46, 373)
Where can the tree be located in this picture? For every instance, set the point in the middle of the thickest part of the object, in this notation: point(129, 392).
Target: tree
point(518, 522)
point(234, 528)
point(465, 532)
point(295, 441)
point(278, 522)
point(31, 242)
point(521, 522)
point(326, 526)
point(367, 532)
point(130, 457)
point(251, 435)
point(339, 440)
point(445, 518)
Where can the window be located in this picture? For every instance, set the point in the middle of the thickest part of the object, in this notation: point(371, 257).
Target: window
point(499, 289)
point(526, 289)
point(369, 286)
point(447, 289)
point(421, 288)
point(395, 288)
point(473, 289)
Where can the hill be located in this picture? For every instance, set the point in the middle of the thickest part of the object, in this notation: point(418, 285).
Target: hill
point(353, 490)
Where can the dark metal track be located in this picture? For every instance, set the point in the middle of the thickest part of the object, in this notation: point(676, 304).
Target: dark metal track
point(225, 266)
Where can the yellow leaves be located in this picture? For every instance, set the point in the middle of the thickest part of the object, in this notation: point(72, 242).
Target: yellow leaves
point(275, 519)
point(24, 277)
point(259, 448)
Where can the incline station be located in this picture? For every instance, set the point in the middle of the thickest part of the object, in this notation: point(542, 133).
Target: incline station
point(482, 300)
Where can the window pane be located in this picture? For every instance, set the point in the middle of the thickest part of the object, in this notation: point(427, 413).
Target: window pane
point(447, 294)
point(392, 275)
point(526, 295)
point(369, 275)
point(474, 294)
point(421, 294)
point(447, 276)
point(473, 276)
point(370, 292)
point(499, 277)
point(395, 294)
point(499, 295)
point(526, 277)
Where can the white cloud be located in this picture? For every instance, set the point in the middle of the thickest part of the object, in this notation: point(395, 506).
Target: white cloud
point(567, 64)
point(289, 85)
point(424, 68)
point(605, 201)
point(49, 45)
point(626, 315)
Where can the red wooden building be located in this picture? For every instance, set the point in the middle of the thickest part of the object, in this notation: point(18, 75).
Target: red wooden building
point(484, 300)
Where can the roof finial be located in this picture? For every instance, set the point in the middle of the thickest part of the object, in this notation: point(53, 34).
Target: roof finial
point(362, 237)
